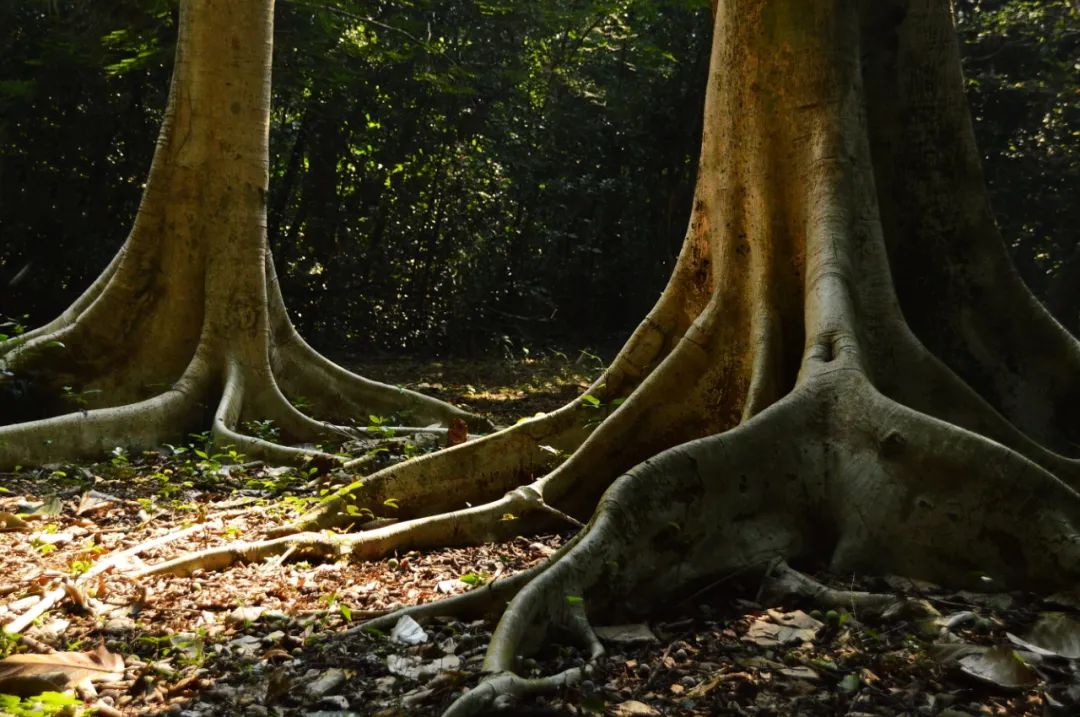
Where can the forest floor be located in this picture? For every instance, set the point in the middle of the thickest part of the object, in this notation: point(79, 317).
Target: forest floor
point(281, 638)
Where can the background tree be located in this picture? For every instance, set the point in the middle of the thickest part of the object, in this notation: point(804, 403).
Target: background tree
point(186, 326)
point(1020, 63)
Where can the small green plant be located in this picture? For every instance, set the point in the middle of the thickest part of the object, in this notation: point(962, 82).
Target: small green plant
point(119, 457)
point(9, 328)
point(78, 567)
point(47, 704)
point(359, 512)
point(475, 579)
point(187, 649)
point(44, 548)
point(333, 603)
point(379, 427)
point(603, 410)
point(264, 429)
point(76, 397)
point(8, 643)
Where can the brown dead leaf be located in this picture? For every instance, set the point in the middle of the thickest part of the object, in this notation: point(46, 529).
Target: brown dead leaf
point(93, 501)
point(633, 708)
point(1001, 666)
point(458, 432)
point(10, 522)
point(28, 675)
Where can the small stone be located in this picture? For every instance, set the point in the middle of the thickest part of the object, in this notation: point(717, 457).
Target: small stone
point(635, 634)
point(244, 615)
point(326, 683)
point(339, 702)
point(119, 624)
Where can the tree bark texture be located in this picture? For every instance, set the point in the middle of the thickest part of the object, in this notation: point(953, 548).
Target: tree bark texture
point(843, 371)
point(187, 328)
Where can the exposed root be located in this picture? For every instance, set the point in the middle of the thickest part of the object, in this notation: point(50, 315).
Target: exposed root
point(484, 600)
point(90, 434)
point(475, 472)
point(224, 433)
point(70, 315)
point(118, 561)
point(339, 394)
point(781, 584)
point(791, 485)
point(521, 509)
point(502, 691)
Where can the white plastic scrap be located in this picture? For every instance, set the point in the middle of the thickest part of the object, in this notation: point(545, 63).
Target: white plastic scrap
point(408, 632)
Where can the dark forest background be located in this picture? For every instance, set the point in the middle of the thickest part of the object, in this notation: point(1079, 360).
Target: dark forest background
point(460, 176)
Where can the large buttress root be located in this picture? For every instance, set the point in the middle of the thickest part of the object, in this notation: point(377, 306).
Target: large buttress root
point(187, 317)
point(834, 475)
point(861, 444)
point(783, 401)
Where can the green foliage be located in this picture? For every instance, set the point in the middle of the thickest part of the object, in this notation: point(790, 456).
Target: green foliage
point(1020, 61)
point(47, 704)
point(468, 174)
point(475, 579)
point(264, 429)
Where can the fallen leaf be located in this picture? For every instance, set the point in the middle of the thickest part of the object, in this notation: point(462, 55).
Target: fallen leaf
point(458, 432)
point(635, 634)
point(327, 682)
point(244, 615)
point(28, 675)
point(92, 501)
point(633, 708)
point(10, 522)
point(413, 668)
point(1000, 666)
point(1057, 633)
point(801, 673)
point(783, 628)
point(52, 506)
point(51, 538)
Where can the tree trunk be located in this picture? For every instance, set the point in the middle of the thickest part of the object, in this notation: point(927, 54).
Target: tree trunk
point(844, 369)
point(188, 315)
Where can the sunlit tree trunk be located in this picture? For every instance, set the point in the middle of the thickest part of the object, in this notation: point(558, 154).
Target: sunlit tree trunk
point(844, 370)
point(186, 328)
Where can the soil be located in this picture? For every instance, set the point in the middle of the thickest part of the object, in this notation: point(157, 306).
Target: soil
point(287, 638)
